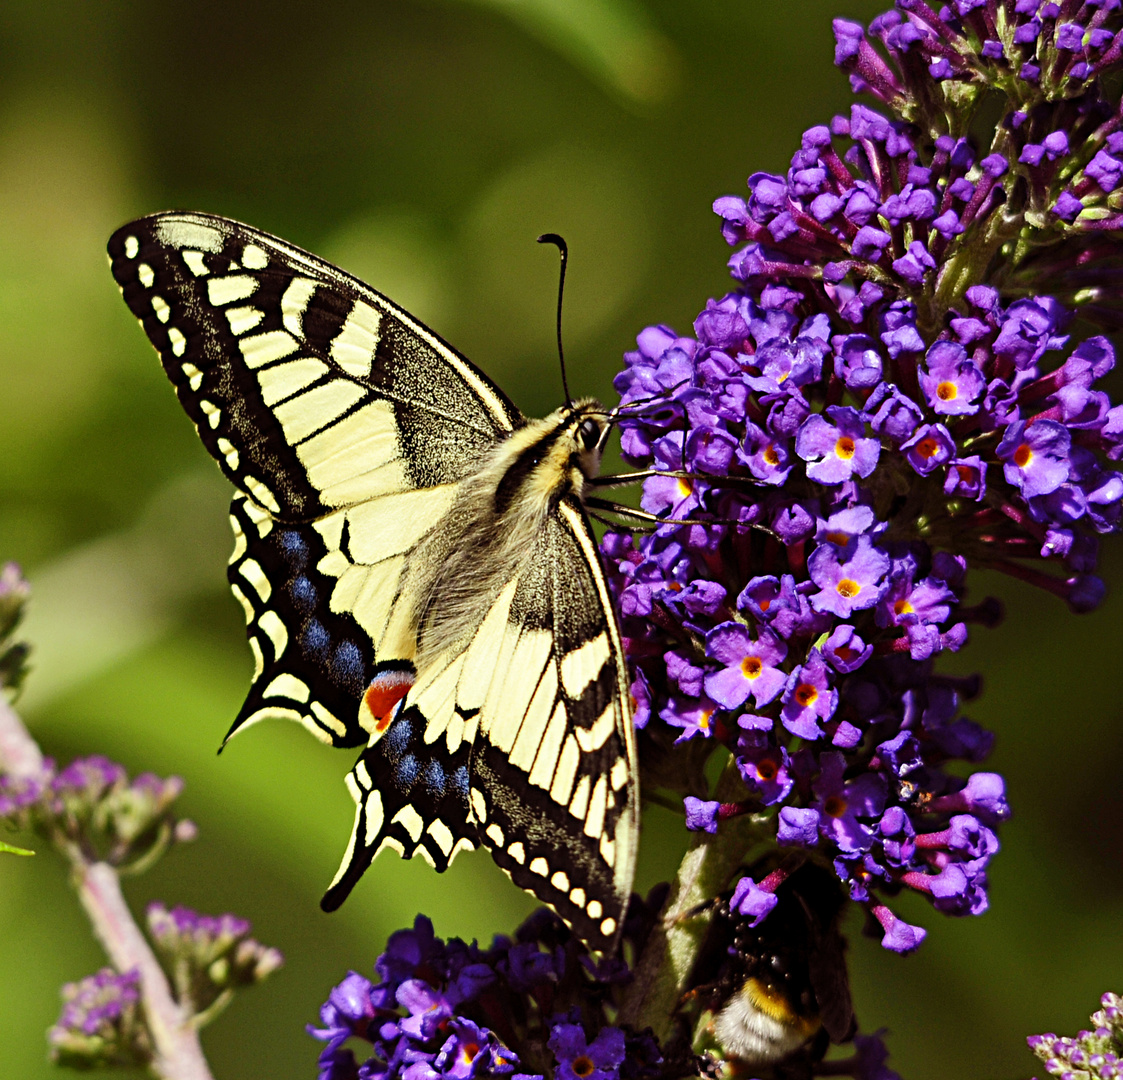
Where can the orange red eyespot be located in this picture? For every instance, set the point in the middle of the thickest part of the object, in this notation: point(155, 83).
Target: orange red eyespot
point(386, 689)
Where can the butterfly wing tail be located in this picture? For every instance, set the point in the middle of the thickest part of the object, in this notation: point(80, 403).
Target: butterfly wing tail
point(411, 797)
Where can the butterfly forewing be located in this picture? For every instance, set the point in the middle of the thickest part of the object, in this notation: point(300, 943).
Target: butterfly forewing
point(353, 434)
point(556, 786)
point(311, 390)
point(534, 707)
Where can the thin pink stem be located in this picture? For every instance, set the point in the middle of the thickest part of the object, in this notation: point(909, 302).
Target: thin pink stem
point(20, 755)
point(177, 1052)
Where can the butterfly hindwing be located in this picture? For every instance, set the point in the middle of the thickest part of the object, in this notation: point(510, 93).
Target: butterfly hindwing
point(410, 796)
point(311, 664)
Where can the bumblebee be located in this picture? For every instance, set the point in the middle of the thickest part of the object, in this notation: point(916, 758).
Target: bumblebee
point(777, 992)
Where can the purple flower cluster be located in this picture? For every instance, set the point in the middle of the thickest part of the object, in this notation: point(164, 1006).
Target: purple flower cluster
point(92, 806)
point(209, 956)
point(1055, 161)
point(1095, 1054)
point(525, 1008)
point(887, 401)
point(101, 1022)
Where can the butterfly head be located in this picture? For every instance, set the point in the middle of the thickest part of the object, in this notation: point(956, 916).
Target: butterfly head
point(592, 424)
point(584, 427)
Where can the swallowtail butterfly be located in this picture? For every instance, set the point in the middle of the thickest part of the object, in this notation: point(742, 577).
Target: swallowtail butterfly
point(417, 569)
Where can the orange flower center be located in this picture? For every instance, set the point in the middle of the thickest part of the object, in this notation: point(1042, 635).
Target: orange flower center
point(767, 769)
point(806, 694)
point(770, 455)
point(903, 607)
point(947, 391)
point(685, 487)
point(1023, 456)
point(751, 667)
point(844, 448)
point(835, 806)
point(583, 1065)
point(928, 447)
point(839, 539)
point(848, 587)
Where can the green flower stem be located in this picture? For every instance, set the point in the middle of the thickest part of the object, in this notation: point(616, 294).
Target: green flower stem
point(177, 1053)
point(664, 966)
point(201, 1019)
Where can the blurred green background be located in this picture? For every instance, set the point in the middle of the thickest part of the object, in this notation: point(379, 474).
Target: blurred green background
point(423, 145)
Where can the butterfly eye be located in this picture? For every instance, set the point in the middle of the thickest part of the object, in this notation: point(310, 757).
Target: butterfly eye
point(589, 433)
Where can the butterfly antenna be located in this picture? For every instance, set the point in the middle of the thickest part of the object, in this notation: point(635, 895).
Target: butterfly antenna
point(563, 249)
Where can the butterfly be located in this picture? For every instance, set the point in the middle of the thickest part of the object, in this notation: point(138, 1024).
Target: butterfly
point(417, 568)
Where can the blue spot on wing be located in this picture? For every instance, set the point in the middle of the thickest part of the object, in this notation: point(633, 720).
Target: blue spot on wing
point(314, 640)
point(434, 779)
point(405, 773)
point(347, 667)
point(294, 548)
point(304, 595)
point(397, 739)
point(459, 781)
